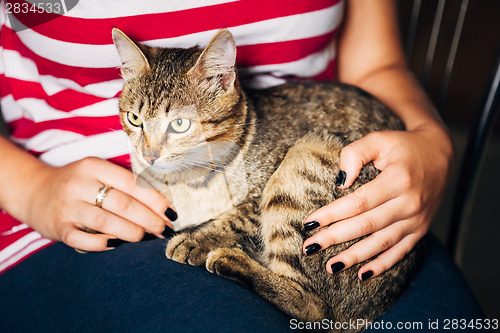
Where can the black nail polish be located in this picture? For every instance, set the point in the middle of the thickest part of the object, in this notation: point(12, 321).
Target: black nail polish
point(114, 242)
point(148, 237)
point(312, 249)
point(168, 232)
point(311, 225)
point(366, 275)
point(171, 214)
point(340, 181)
point(337, 267)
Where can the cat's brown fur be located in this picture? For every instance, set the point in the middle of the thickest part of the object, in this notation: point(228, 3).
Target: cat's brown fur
point(251, 167)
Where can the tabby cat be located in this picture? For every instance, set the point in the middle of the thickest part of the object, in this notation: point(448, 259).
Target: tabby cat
point(244, 168)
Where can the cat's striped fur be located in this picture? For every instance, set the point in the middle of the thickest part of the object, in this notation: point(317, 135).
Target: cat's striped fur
point(263, 161)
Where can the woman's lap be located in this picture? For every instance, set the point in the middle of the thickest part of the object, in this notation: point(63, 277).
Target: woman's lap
point(135, 288)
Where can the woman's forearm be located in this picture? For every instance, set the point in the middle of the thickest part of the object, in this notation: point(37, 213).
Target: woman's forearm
point(17, 170)
point(397, 88)
point(371, 57)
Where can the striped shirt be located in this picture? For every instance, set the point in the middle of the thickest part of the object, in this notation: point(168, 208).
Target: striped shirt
point(59, 77)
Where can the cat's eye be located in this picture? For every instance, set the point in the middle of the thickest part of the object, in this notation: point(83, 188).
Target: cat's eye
point(180, 125)
point(134, 119)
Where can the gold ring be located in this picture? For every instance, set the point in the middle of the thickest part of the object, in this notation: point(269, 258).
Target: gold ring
point(103, 192)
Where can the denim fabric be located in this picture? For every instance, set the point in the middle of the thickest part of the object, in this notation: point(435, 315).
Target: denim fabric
point(437, 298)
point(134, 288)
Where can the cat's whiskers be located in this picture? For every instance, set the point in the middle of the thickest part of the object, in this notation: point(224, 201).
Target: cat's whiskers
point(213, 165)
point(205, 166)
point(206, 161)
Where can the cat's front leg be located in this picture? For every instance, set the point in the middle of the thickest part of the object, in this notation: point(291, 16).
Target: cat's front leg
point(225, 231)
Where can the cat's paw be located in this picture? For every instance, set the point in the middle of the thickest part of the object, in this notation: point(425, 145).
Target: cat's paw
point(187, 248)
point(231, 263)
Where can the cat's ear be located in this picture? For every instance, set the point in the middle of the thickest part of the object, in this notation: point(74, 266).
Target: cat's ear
point(133, 59)
point(218, 60)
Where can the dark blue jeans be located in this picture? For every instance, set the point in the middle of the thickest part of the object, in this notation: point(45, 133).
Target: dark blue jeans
point(134, 288)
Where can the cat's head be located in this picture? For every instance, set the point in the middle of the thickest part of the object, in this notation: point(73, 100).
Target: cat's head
point(182, 109)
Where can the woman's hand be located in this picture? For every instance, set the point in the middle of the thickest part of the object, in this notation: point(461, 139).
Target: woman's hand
point(60, 202)
point(395, 209)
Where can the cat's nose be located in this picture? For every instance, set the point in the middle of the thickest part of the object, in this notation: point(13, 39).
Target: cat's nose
point(150, 158)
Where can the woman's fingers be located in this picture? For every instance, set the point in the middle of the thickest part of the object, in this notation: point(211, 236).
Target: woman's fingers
point(105, 222)
point(384, 241)
point(360, 225)
point(389, 258)
point(372, 194)
point(121, 218)
point(128, 208)
point(357, 154)
point(125, 181)
point(81, 240)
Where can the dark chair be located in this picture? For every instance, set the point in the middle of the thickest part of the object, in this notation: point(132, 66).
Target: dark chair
point(433, 36)
point(470, 166)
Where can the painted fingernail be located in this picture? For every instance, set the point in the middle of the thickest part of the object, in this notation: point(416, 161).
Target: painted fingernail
point(312, 249)
point(337, 267)
point(148, 237)
point(171, 214)
point(340, 181)
point(168, 232)
point(311, 225)
point(114, 242)
point(366, 275)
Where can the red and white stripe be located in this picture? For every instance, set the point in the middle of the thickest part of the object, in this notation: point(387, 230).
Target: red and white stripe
point(17, 241)
point(59, 81)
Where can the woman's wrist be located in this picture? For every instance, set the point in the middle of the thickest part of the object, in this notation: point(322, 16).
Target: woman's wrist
point(398, 89)
point(441, 147)
point(439, 135)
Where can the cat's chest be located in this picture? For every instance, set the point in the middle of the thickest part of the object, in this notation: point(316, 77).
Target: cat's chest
point(199, 200)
